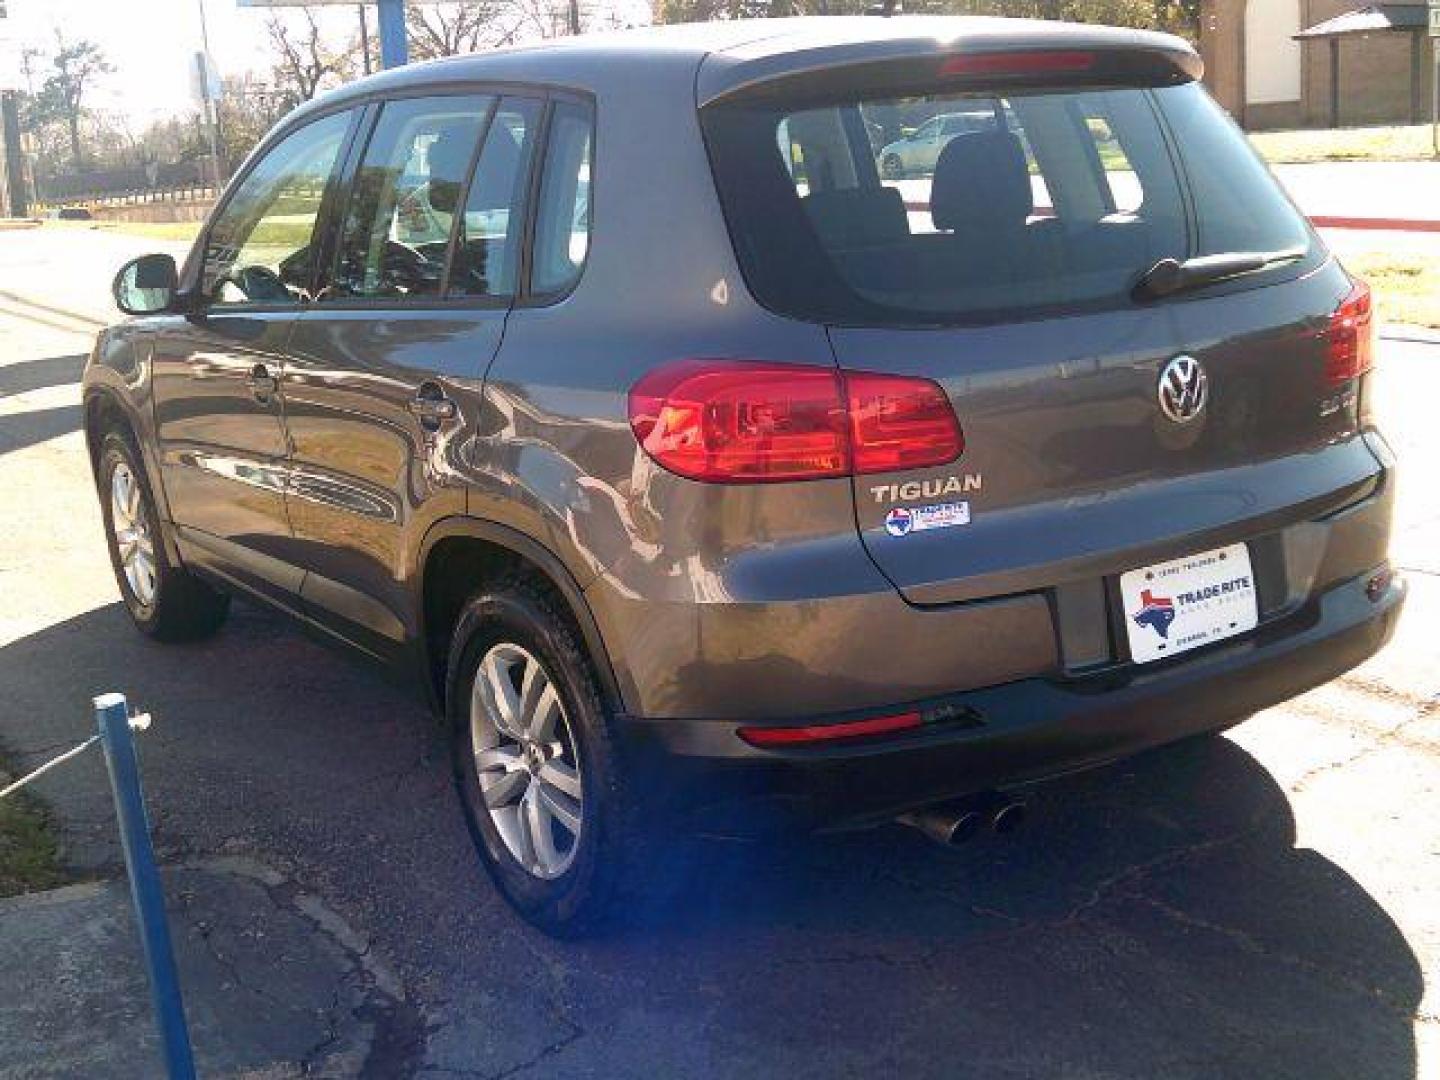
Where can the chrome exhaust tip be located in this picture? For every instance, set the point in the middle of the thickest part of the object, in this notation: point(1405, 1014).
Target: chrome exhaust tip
point(1007, 818)
point(949, 826)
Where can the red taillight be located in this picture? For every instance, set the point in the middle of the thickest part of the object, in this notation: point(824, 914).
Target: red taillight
point(728, 421)
point(821, 733)
point(735, 422)
point(899, 423)
point(1017, 63)
point(1352, 337)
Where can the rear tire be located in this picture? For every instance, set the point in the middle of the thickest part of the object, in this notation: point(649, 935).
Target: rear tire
point(892, 167)
point(165, 601)
point(567, 882)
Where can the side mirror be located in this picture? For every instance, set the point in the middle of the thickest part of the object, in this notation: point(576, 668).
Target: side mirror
point(147, 285)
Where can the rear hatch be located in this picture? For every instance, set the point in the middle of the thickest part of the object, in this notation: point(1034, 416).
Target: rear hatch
point(1110, 421)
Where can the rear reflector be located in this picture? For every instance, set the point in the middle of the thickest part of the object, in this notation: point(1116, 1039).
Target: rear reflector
point(736, 422)
point(1017, 63)
point(824, 733)
point(1352, 337)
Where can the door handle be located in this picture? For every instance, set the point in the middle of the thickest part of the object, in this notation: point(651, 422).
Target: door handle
point(432, 408)
point(262, 384)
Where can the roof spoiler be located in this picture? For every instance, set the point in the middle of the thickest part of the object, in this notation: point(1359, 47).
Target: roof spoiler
point(1076, 56)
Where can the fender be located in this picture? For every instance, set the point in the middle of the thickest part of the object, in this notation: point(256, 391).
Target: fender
point(101, 384)
point(538, 556)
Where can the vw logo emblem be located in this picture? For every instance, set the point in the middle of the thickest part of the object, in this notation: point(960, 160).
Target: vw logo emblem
point(1184, 388)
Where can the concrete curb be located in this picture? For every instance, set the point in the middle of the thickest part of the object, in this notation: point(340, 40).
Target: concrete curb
point(1425, 225)
point(1423, 335)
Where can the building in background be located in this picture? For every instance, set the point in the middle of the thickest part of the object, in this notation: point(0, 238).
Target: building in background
point(1317, 63)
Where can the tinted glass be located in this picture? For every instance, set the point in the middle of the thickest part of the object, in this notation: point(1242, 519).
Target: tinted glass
point(396, 229)
point(487, 247)
point(259, 248)
point(1027, 204)
point(562, 219)
point(1239, 207)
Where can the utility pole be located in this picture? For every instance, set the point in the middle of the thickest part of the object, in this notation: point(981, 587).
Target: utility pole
point(10, 134)
point(574, 17)
point(394, 48)
point(208, 104)
point(364, 36)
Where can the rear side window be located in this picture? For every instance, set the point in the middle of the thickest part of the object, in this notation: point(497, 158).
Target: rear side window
point(396, 229)
point(487, 242)
point(562, 218)
point(958, 207)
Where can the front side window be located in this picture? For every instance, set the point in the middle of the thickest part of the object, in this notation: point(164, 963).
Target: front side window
point(259, 249)
point(487, 242)
point(395, 233)
point(562, 219)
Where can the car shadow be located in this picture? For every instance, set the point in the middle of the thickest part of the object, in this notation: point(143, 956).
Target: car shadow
point(27, 375)
point(1155, 917)
point(26, 428)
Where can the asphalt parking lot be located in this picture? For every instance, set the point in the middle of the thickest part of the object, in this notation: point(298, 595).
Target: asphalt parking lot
point(1263, 904)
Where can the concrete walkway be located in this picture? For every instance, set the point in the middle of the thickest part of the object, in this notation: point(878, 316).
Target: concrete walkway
point(275, 984)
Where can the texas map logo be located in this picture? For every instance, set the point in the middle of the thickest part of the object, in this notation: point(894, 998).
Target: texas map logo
point(1156, 612)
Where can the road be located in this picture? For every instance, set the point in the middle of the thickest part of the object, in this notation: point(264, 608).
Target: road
point(1264, 904)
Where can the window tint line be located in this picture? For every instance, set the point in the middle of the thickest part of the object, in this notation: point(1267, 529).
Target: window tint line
point(332, 223)
point(538, 153)
point(1171, 142)
point(457, 225)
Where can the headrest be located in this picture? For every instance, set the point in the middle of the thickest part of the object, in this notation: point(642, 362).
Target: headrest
point(448, 157)
point(496, 171)
point(981, 178)
point(857, 217)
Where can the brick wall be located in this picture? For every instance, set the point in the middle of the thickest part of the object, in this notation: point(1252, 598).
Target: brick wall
point(1375, 71)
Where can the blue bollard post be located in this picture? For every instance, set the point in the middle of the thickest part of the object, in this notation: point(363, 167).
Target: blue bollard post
point(112, 716)
point(394, 49)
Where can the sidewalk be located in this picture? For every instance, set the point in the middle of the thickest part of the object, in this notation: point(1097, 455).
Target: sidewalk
point(275, 985)
point(1366, 194)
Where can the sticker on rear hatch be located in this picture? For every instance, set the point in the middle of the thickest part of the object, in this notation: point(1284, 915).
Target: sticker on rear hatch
point(1180, 605)
point(903, 520)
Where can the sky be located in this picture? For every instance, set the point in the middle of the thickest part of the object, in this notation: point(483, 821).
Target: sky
point(151, 43)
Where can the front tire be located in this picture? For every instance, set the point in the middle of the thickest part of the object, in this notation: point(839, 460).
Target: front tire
point(538, 770)
point(892, 167)
point(164, 600)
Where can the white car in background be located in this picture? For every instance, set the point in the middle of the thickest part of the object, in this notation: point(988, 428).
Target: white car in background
point(917, 152)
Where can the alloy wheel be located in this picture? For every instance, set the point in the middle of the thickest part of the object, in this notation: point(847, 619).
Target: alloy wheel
point(527, 760)
point(132, 534)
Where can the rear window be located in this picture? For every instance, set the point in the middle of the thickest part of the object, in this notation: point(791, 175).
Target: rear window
point(961, 207)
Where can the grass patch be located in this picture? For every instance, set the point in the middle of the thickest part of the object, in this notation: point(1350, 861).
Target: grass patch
point(1407, 143)
point(29, 856)
point(1407, 285)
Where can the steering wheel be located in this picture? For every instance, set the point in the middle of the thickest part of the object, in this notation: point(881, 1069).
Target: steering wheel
point(259, 284)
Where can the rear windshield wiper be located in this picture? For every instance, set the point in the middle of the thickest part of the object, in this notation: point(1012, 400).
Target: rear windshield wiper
point(1170, 276)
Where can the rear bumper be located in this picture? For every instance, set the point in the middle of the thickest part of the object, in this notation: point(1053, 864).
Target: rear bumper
point(1009, 734)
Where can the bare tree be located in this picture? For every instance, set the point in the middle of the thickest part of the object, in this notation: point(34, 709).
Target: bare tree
point(304, 58)
point(452, 29)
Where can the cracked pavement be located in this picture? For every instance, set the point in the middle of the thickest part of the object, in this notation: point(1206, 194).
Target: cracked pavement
point(1263, 904)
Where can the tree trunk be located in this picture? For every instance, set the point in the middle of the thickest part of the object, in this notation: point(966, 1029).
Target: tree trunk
point(74, 121)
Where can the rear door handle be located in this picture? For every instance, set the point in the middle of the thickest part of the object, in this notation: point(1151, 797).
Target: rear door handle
point(262, 384)
point(432, 408)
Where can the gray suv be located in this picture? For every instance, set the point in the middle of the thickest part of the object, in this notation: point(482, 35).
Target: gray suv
point(702, 474)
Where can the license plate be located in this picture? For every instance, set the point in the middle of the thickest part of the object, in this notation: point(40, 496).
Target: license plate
point(1177, 606)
